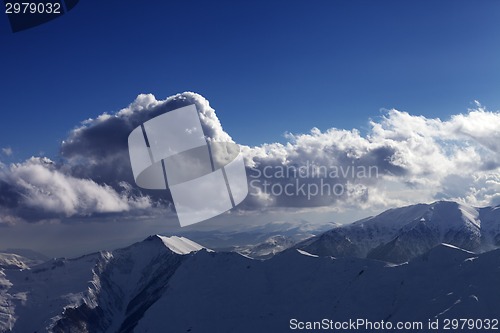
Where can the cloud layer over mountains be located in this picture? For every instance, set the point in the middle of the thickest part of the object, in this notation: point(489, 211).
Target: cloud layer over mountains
point(401, 159)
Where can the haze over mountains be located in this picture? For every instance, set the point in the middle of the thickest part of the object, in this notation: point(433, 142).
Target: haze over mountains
point(172, 284)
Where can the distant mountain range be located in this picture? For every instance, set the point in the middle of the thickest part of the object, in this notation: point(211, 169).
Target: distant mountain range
point(400, 234)
point(243, 238)
point(172, 284)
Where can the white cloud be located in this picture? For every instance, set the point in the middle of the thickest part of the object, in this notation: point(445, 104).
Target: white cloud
point(416, 156)
point(7, 151)
point(41, 187)
point(417, 159)
point(479, 125)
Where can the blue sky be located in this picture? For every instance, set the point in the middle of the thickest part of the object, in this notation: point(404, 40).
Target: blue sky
point(267, 67)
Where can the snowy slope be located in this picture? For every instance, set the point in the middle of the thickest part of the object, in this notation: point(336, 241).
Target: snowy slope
point(34, 256)
point(244, 236)
point(398, 235)
point(40, 294)
point(180, 245)
point(14, 261)
point(100, 292)
point(147, 287)
point(7, 319)
point(223, 292)
point(268, 248)
point(171, 284)
point(490, 227)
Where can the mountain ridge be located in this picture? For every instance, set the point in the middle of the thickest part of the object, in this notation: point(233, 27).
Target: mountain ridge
point(400, 234)
point(147, 287)
point(174, 284)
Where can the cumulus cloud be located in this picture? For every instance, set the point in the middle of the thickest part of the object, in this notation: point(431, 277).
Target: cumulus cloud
point(93, 174)
point(36, 190)
point(417, 160)
point(98, 148)
point(401, 159)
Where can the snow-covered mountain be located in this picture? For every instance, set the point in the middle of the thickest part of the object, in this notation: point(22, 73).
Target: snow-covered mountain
point(34, 257)
point(172, 284)
point(400, 234)
point(148, 287)
point(20, 258)
point(99, 292)
point(268, 248)
point(257, 241)
point(244, 237)
point(10, 260)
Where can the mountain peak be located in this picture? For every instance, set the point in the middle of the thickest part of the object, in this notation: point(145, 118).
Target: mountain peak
point(179, 245)
point(400, 234)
